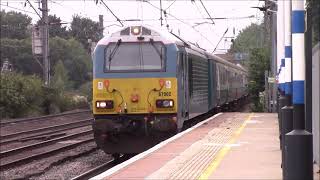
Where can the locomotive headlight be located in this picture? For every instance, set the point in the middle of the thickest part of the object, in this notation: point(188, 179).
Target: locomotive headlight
point(164, 103)
point(135, 30)
point(103, 104)
point(108, 104)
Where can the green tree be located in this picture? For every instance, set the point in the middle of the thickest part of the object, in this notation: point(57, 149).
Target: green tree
point(315, 11)
point(60, 77)
point(83, 29)
point(56, 28)
point(19, 54)
point(249, 38)
point(258, 64)
point(74, 58)
point(72, 54)
point(20, 95)
point(252, 40)
point(14, 25)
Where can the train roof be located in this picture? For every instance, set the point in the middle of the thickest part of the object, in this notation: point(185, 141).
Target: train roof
point(147, 32)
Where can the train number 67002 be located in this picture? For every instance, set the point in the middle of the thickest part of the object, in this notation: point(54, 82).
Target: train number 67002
point(164, 93)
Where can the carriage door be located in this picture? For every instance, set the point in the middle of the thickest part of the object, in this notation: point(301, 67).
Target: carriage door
point(184, 84)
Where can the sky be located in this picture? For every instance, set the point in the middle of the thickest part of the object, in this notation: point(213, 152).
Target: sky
point(191, 25)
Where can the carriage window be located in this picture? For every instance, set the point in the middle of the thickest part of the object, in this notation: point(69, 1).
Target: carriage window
point(144, 56)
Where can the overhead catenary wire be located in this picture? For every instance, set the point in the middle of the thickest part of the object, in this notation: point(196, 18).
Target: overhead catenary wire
point(111, 12)
point(207, 11)
point(187, 19)
point(220, 40)
point(182, 22)
point(34, 9)
point(170, 5)
point(18, 9)
point(62, 5)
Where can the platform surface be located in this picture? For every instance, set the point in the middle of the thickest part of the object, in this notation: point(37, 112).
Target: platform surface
point(226, 146)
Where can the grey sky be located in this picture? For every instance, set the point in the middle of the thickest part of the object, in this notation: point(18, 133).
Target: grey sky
point(191, 13)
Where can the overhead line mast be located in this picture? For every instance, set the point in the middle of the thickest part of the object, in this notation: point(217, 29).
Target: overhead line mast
point(45, 34)
point(161, 12)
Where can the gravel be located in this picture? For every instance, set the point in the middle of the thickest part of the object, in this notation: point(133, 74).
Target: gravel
point(76, 167)
point(39, 167)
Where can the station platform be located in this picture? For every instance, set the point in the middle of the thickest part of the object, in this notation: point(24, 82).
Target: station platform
point(225, 146)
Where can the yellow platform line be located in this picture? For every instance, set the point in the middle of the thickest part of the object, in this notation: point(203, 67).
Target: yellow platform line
point(216, 161)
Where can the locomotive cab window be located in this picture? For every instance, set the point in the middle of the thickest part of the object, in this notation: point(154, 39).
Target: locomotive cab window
point(137, 56)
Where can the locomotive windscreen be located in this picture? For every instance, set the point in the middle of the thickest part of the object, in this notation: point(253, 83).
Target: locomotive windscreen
point(137, 56)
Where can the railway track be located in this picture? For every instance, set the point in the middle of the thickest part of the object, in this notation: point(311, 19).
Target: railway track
point(103, 167)
point(41, 133)
point(11, 121)
point(17, 156)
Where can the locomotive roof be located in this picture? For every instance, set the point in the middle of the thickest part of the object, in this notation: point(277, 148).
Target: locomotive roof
point(163, 36)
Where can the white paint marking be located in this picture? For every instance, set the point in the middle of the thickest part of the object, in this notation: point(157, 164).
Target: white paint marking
point(254, 122)
point(222, 144)
point(144, 154)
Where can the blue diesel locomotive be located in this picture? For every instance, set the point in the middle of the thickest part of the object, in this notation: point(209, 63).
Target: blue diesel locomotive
point(147, 84)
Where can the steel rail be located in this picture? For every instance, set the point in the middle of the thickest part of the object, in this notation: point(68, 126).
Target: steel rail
point(8, 121)
point(95, 171)
point(7, 136)
point(103, 167)
point(42, 155)
point(41, 144)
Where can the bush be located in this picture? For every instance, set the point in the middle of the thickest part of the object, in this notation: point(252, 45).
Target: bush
point(20, 95)
point(24, 95)
point(57, 101)
point(258, 64)
point(86, 90)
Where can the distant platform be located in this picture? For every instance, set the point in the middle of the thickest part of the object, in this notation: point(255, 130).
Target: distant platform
point(225, 146)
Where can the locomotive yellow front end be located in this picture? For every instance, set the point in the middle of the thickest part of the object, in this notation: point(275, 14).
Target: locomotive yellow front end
point(124, 96)
point(134, 91)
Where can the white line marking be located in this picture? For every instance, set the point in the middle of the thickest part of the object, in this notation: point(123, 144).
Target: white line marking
point(145, 153)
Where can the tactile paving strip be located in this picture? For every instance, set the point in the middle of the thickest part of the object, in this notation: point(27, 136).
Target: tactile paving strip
point(194, 160)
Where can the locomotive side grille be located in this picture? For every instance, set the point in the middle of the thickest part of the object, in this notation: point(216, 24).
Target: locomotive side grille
point(199, 78)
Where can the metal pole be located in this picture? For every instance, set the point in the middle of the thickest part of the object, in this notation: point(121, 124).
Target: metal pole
point(45, 30)
point(288, 50)
point(299, 157)
point(274, 60)
point(101, 26)
point(287, 111)
point(281, 64)
point(280, 49)
point(308, 49)
point(161, 12)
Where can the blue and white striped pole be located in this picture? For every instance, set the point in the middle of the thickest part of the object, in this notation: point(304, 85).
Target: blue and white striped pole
point(298, 142)
point(287, 110)
point(298, 60)
point(287, 49)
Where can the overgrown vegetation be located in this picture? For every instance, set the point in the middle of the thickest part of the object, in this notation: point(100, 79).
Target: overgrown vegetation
point(24, 95)
point(258, 64)
point(22, 90)
point(314, 5)
point(252, 40)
